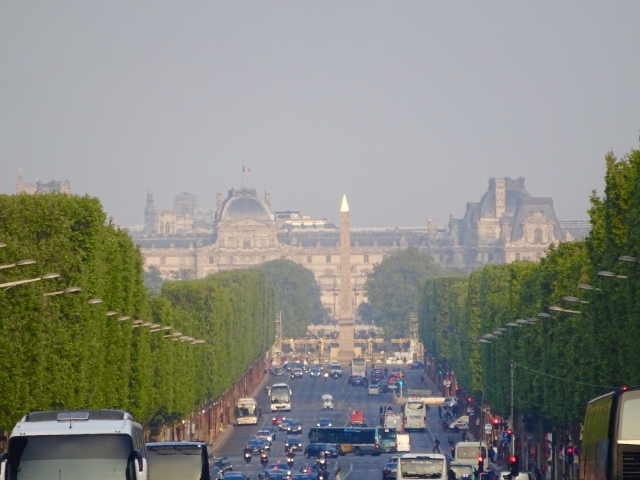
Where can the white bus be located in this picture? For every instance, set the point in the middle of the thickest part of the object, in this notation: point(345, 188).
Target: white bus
point(359, 366)
point(246, 412)
point(280, 396)
point(423, 465)
point(76, 445)
point(415, 415)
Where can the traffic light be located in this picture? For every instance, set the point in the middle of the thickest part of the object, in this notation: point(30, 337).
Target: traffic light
point(400, 382)
point(469, 399)
point(496, 422)
point(439, 372)
point(568, 456)
point(480, 464)
point(513, 464)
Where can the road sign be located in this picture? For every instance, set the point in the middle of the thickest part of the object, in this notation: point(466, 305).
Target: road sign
point(471, 411)
point(477, 421)
point(488, 428)
point(505, 437)
point(447, 383)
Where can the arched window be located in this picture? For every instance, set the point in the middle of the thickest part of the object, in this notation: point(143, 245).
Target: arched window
point(366, 259)
point(160, 229)
point(181, 260)
point(537, 235)
point(538, 256)
point(210, 260)
point(230, 260)
point(491, 236)
point(247, 243)
point(167, 228)
point(308, 258)
point(518, 256)
point(328, 258)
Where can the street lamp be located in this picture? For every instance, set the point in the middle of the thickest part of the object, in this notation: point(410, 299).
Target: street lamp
point(111, 313)
point(513, 324)
point(483, 340)
point(21, 263)
point(574, 300)
point(123, 318)
point(522, 321)
point(498, 332)
point(564, 310)
point(3, 245)
point(627, 258)
point(94, 301)
point(48, 276)
point(584, 286)
point(65, 291)
point(607, 274)
point(544, 315)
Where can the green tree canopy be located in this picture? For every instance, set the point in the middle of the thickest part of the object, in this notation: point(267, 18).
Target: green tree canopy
point(393, 289)
point(297, 296)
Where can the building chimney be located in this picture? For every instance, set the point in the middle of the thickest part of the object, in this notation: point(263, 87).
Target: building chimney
point(267, 199)
point(218, 205)
point(500, 196)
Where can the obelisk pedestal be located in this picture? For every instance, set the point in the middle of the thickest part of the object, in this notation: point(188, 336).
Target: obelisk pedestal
point(346, 345)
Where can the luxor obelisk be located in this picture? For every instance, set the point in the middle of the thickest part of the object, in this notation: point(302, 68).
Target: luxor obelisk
point(346, 346)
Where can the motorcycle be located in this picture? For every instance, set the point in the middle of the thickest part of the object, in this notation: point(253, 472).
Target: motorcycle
point(264, 458)
point(247, 455)
point(335, 375)
point(290, 457)
point(326, 375)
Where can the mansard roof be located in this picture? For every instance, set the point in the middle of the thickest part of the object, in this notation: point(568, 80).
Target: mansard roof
point(528, 207)
point(244, 203)
point(514, 191)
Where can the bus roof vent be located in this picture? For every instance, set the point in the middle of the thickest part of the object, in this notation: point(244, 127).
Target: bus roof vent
point(77, 415)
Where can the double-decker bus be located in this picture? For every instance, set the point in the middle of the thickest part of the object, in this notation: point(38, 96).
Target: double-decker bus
point(246, 412)
point(359, 441)
point(610, 447)
point(280, 396)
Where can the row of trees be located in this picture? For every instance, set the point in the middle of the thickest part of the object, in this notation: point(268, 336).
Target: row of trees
point(393, 290)
point(562, 360)
point(61, 352)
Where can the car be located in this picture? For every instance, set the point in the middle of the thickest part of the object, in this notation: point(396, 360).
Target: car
point(278, 372)
point(293, 442)
point(355, 380)
point(395, 370)
point(357, 418)
point(314, 450)
point(376, 377)
point(234, 476)
point(417, 365)
point(323, 422)
point(294, 426)
point(462, 471)
point(277, 419)
point(280, 467)
point(265, 433)
point(315, 371)
point(393, 386)
point(284, 424)
point(258, 444)
point(383, 385)
point(373, 389)
point(336, 369)
point(303, 476)
point(296, 372)
point(390, 470)
point(450, 402)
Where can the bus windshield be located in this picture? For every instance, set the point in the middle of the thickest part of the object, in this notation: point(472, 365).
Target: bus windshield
point(414, 406)
point(466, 453)
point(175, 462)
point(421, 467)
point(279, 395)
point(70, 457)
point(629, 424)
point(388, 434)
point(245, 410)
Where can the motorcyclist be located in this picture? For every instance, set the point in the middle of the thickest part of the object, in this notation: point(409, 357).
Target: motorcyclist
point(386, 372)
point(422, 380)
point(322, 461)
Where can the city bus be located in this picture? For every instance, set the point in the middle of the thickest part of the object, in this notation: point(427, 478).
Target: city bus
point(246, 412)
point(359, 367)
point(610, 447)
point(423, 465)
point(359, 441)
point(415, 415)
point(280, 396)
point(76, 444)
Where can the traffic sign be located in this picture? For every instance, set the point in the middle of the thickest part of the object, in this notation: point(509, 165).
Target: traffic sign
point(488, 428)
point(471, 411)
point(447, 383)
point(505, 437)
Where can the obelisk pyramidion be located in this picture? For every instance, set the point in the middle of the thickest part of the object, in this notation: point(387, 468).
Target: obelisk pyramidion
point(346, 347)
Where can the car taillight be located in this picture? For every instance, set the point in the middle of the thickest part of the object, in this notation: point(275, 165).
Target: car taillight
point(425, 420)
point(377, 446)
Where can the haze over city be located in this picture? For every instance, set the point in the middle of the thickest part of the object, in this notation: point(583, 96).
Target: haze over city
point(409, 107)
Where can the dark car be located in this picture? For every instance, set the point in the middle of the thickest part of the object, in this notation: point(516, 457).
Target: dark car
point(294, 426)
point(303, 476)
point(356, 380)
point(284, 424)
point(257, 444)
point(276, 469)
point(389, 471)
point(234, 476)
point(383, 385)
point(314, 450)
point(417, 365)
point(323, 422)
point(294, 442)
point(376, 377)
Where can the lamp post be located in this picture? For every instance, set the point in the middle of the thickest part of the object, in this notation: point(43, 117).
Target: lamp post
point(48, 276)
point(21, 263)
point(63, 292)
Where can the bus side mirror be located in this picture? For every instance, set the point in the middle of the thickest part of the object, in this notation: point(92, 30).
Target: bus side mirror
point(3, 466)
point(140, 464)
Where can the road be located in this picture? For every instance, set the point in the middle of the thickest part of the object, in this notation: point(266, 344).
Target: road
point(306, 408)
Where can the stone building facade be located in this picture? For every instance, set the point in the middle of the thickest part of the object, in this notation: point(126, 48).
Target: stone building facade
point(507, 224)
point(42, 187)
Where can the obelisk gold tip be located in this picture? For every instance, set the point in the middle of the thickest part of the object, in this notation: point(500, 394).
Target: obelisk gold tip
point(345, 205)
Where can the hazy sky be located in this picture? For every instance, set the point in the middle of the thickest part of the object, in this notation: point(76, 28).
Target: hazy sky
point(407, 107)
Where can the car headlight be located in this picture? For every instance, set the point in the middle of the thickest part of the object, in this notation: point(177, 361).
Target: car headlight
point(329, 424)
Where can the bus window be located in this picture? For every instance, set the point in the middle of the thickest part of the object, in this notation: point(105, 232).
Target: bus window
point(629, 423)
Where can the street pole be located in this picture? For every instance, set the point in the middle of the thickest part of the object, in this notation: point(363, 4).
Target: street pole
point(511, 419)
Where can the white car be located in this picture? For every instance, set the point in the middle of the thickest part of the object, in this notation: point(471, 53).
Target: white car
point(374, 389)
point(450, 402)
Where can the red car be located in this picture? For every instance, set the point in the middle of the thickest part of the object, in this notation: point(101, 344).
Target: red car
point(278, 417)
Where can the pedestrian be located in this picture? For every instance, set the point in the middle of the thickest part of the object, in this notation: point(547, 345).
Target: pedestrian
point(455, 409)
point(436, 446)
point(450, 440)
point(381, 409)
point(492, 454)
point(338, 470)
point(259, 413)
point(440, 412)
point(453, 451)
point(464, 436)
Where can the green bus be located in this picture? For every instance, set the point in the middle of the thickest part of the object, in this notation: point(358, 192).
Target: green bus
point(359, 441)
point(610, 447)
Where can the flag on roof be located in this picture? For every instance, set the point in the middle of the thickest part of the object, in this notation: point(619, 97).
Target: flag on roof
point(245, 169)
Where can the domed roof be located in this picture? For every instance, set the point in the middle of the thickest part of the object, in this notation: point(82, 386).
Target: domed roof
point(244, 203)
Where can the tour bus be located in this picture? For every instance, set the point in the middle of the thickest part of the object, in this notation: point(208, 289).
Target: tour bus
point(610, 447)
point(246, 412)
point(423, 465)
point(280, 396)
point(359, 367)
point(467, 453)
point(359, 441)
point(76, 445)
point(415, 415)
